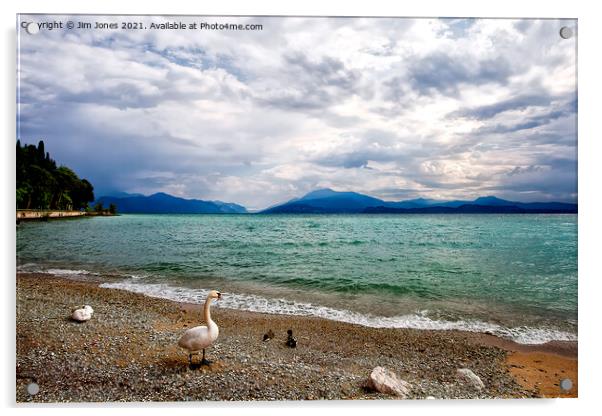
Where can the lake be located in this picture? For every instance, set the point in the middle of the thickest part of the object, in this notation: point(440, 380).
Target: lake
point(512, 275)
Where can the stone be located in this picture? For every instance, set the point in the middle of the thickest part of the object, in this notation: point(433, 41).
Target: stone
point(385, 381)
point(466, 375)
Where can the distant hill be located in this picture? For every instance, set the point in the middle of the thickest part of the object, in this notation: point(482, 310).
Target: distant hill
point(327, 201)
point(162, 203)
point(470, 209)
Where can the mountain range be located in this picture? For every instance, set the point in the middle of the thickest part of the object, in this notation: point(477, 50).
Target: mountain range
point(162, 203)
point(327, 201)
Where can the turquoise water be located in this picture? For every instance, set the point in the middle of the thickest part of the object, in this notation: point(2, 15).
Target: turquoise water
point(514, 275)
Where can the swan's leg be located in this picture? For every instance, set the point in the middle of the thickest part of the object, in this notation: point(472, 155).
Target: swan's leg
point(190, 359)
point(205, 361)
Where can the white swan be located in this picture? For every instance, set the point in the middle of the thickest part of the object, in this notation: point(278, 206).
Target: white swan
point(200, 337)
point(82, 313)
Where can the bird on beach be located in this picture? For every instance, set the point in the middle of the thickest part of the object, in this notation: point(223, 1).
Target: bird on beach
point(268, 335)
point(291, 341)
point(82, 313)
point(200, 337)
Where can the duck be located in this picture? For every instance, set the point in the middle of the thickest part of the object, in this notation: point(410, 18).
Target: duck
point(201, 337)
point(268, 335)
point(82, 313)
point(291, 341)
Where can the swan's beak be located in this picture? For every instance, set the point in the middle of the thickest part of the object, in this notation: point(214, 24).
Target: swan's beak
point(219, 295)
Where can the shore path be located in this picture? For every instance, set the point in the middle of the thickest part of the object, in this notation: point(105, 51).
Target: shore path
point(129, 352)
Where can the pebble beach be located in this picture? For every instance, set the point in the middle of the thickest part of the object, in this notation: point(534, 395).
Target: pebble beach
point(128, 352)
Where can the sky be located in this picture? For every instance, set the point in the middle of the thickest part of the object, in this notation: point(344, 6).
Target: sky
point(390, 107)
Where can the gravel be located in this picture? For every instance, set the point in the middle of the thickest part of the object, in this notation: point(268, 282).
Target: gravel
point(128, 352)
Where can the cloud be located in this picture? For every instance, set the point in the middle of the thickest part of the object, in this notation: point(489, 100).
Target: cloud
point(446, 74)
point(514, 103)
point(309, 85)
point(533, 121)
point(396, 108)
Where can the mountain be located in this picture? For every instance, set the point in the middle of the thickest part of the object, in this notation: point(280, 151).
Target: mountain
point(327, 201)
point(162, 203)
point(120, 194)
point(470, 209)
point(230, 207)
point(492, 201)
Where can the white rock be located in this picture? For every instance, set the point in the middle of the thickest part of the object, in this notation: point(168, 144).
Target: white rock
point(386, 381)
point(83, 313)
point(471, 378)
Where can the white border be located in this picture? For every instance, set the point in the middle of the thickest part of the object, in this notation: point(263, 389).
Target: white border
point(589, 189)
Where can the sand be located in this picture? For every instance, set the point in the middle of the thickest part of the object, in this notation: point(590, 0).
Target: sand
point(129, 352)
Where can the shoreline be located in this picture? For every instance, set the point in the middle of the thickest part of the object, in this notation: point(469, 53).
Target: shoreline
point(48, 214)
point(243, 299)
point(128, 352)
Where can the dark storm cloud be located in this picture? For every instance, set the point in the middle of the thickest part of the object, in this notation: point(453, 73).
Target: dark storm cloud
point(560, 164)
point(531, 122)
point(444, 74)
point(326, 72)
point(397, 194)
point(311, 84)
point(554, 176)
point(568, 140)
point(122, 95)
point(516, 103)
point(556, 180)
point(519, 170)
point(373, 145)
point(523, 25)
point(347, 161)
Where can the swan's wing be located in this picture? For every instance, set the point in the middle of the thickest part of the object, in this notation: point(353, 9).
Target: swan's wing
point(195, 339)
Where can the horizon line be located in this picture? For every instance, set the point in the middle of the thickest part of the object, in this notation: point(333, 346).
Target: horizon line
point(135, 194)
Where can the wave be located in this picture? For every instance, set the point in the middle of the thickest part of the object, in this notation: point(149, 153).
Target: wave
point(35, 268)
point(72, 273)
point(253, 303)
point(69, 272)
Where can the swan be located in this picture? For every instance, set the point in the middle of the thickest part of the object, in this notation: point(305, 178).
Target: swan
point(200, 337)
point(82, 313)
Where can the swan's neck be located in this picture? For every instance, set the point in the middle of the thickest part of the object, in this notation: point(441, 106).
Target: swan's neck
point(207, 312)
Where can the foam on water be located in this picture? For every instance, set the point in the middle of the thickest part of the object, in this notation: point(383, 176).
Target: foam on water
point(35, 268)
point(68, 272)
point(71, 273)
point(253, 303)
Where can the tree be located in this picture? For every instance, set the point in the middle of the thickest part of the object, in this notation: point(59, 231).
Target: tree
point(82, 194)
point(41, 152)
point(41, 185)
point(112, 209)
point(24, 195)
point(66, 182)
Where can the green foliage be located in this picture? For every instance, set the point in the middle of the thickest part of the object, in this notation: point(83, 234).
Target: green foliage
point(112, 209)
point(41, 185)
